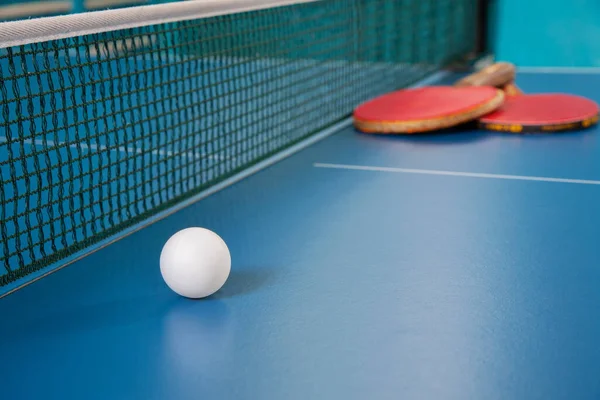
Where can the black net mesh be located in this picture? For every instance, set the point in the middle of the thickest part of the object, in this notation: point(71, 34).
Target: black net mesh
point(99, 132)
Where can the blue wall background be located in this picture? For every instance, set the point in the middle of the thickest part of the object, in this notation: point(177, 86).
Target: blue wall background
point(557, 33)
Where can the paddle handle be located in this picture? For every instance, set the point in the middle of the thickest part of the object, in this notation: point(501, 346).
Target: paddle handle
point(501, 75)
point(510, 89)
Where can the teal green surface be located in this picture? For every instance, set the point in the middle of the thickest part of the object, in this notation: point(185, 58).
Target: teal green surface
point(553, 33)
point(346, 284)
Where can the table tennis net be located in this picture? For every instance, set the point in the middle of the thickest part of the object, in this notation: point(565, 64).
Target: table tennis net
point(100, 132)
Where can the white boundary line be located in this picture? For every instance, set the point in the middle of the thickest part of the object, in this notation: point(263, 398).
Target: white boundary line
point(455, 173)
point(15, 33)
point(559, 70)
point(120, 149)
point(29, 279)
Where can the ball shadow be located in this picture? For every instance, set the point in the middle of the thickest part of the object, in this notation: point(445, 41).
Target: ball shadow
point(246, 281)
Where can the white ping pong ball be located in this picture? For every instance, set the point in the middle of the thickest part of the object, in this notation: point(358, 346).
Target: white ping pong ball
point(195, 262)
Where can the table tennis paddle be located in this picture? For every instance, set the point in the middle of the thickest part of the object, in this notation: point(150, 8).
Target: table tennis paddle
point(540, 112)
point(543, 112)
point(430, 108)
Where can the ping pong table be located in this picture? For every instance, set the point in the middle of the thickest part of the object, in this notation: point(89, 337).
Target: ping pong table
point(458, 265)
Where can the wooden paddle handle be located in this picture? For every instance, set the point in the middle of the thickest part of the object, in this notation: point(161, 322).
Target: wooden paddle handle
point(498, 75)
point(510, 89)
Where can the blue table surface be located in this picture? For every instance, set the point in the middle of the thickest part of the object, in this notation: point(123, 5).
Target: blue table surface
point(347, 284)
